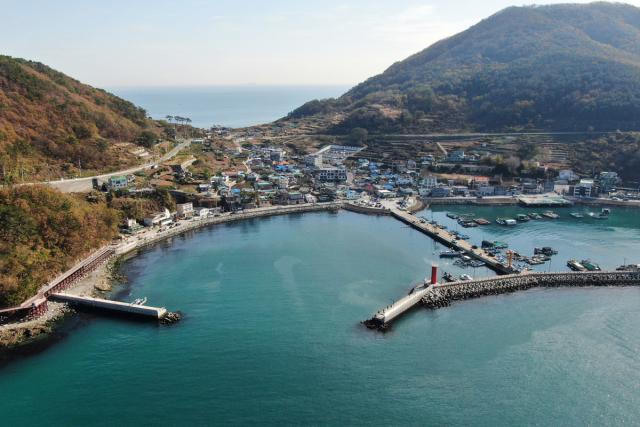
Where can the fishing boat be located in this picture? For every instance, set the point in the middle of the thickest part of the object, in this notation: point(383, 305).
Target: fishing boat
point(534, 215)
point(522, 218)
point(481, 221)
point(598, 215)
point(500, 221)
point(575, 265)
point(606, 210)
point(463, 237)
point(550, 214)
point(443, 227)
point(461, 263)
point(590, 265)
point(506, 221)
point(494, 245)
point(449, 254)
point(576, 215)
point(449, 277)
point(467, 222)
point(546, 250)
point(477, 264)
point(468, 215)
point(453, 216)
point(465, 277)
point(454, 232)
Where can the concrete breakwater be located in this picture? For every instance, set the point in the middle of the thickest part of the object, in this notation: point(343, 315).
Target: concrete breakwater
point(471, 201)
point(442, 295)
point(365, 210)
point(437, 295)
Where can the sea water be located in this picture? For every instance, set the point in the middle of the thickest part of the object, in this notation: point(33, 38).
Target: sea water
point(233, 106)
point(271, 336)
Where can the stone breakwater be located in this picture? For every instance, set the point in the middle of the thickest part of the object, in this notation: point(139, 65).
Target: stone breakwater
point(443, 295)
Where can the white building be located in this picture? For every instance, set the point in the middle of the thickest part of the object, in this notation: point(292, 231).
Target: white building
point(160, 218)
point(313, 160)
point(332, 174)
point(352, 195)
point(429, 181)
point(566, 175)
point(185, 209)
point(118, 182)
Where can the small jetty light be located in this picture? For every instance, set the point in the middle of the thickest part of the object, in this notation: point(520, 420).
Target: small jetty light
point(434, 274)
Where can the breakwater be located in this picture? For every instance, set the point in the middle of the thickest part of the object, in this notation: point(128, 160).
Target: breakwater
point(471, 201)
point(442, 295)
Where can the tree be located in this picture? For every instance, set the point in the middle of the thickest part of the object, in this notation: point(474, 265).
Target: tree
point(358, 134)
point(146, 139)
point(169, 118)
point(512, 163)
point(528, 151)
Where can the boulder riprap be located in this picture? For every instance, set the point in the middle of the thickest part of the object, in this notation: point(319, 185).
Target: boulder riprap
point(170, 318)
point(102, 287)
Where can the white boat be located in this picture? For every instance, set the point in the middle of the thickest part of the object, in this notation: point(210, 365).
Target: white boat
point(465, 277)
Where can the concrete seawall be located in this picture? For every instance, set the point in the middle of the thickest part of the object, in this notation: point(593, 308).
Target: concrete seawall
point(114, 306)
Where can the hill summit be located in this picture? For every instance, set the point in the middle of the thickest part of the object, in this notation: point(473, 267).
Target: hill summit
point(559, 67)
point(48, 118)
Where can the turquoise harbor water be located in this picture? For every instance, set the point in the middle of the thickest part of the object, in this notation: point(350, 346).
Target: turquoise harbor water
point(270, 335)
point(234, 106)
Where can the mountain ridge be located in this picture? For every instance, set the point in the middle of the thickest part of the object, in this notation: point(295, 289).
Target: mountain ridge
point(558, 67)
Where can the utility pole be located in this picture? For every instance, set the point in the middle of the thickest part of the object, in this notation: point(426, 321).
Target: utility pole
point(80, 167)
point(22, 167)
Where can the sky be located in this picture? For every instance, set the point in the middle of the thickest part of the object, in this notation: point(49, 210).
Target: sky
point(140, 43)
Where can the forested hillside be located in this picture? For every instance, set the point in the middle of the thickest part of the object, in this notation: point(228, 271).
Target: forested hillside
point(48, 118)
point(560, 67)
point(42, 233)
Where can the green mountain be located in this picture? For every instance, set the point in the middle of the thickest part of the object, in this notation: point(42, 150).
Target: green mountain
point(560, 67)
point(48, 118)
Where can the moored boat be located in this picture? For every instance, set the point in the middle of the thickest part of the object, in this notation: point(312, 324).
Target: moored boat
point(522, 218)
point(546, 250)
point(449, 277)
point(550, 214)
point(534, 215)
point(481, 221)
point(576, 215)
point(590, 265)
point(598, 215)
point(450, 254)
point(453, 216)
point(465, 277)
point(500, 221)
point(575, 265)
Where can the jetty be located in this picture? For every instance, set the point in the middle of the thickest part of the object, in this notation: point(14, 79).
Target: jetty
point(451, 240)
point(435, 295)
point(113, 306)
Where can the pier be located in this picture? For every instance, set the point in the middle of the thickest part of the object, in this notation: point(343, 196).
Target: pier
point(436, 295)
point(449, 240)
point(114, 306)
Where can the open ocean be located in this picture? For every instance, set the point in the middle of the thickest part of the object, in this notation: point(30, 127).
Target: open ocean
point(271, 334)
point(233, 106)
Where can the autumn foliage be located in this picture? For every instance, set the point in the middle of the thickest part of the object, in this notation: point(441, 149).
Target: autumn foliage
point(43, 232)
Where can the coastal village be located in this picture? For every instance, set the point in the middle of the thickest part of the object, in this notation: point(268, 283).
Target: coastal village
point(234, 173)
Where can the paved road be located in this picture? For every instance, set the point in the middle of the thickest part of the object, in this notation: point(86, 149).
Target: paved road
point(85, 184)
